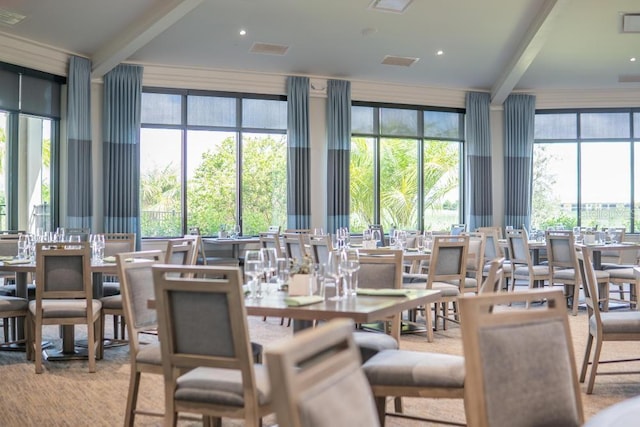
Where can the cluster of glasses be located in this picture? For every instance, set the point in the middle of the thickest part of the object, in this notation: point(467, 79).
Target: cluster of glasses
point(97, 247)
point(371, 238)
point(398, 239)
point(266, 270)
point(342, 238)
point(26, 246)
point(27, 242)
point(341, 272)
point(424, 241)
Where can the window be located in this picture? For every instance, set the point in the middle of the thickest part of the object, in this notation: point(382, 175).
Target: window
point(212, 161)
point(405, 167)
point(583, 169)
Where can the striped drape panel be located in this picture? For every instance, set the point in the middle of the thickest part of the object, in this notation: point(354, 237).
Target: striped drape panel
point(339, 152)
point(121, 121)
point(298, 174)
point(519, 114)
point(479, 160)
point(79, 182)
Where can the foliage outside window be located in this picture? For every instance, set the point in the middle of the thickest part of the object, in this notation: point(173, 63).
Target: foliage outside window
point(225, 166)
point(583, 167)
point(405, 167)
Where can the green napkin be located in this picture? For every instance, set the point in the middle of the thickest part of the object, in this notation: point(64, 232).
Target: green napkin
point(6, 258)
point(386, 292)
point(17, 261)
point(109, 259)
point(303, 300)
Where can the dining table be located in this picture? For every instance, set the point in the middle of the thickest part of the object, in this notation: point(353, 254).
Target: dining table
point(596, 249)
point(236, 243)
point(22, 269)
point(360, 308)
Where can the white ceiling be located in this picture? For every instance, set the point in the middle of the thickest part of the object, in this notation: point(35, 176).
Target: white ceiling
point(493, 45)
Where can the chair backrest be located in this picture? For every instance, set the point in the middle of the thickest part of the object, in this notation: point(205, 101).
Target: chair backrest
point(181, 252)
point(63, 272)
point(136, 287)
point(491, 242)
point(201, 257)
point(202, 322)
point(11, 234)
point(448, 260)
point(493, 282)
point(318, 381)
point(383, 241)
point(518, 243)
point(380, 268)
point(475, 253)
point(541, 386)
point(589, 285)
point(273, 229)
point(8, 247)
point(560, 249)
point(456, 229)
point(271, 240)
point(320, 248)
point(294, 244)
point(115, 243)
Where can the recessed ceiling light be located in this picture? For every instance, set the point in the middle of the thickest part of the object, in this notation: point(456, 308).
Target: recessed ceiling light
point(395, 6)
point(632, 59)
point(243, 32)
point(440, 52)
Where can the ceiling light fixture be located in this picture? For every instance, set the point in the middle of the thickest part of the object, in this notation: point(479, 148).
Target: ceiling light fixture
point(440, 52)
point(243, 32)
point(632, 59)
point(394, 6)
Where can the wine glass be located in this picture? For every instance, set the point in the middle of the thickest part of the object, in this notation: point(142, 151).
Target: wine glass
point(333, 272)
point(428, 240)
point(282, 272)
point(23, 246)
point(376, 236)
point(350, 263)
point(269, 263)
point(97, 246)
point(253, 267)
point(420, 242)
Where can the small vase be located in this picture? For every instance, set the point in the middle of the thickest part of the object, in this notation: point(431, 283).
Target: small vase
point(300, 284)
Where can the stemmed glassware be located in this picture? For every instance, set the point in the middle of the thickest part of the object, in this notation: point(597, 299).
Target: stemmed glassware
point(254, 268)
point(376, 236)
point(269, 264)
point(334, 273)
point(97, 246)
point(23, 246)
point(350, 263)
point(282, 272)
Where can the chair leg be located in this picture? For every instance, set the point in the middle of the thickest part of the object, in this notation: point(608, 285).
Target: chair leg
point(576, 296)
point(429, 322)
point(115, 327)
point(381, 404)
point(585, 361)
point(132, 398)
point(594, 366)
point(37, 348)
point(92, 341)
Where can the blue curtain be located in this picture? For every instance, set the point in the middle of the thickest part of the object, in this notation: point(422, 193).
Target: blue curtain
point(298, 184)
point(339, 153)
point(121, 121)
point(478, 142)
point(519, 115)
point(79, 185)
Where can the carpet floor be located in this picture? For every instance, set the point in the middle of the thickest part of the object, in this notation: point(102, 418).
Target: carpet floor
point(67, 395)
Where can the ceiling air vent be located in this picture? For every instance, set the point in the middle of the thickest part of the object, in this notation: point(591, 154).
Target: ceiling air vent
point(394, 6)
point(269, 49)
point(631, 23)
point(629, 78)
point(10, 18)
point(401, 61)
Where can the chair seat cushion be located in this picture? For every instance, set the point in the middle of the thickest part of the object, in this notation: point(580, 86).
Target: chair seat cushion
point(538, 270)
point(220, 386)
point(113, 302)
point(564, 274)
point(623, 322)
point(414, 278)
point(110, 288)
point(446, 289)
point(622, 273)
point(64, 308)
point(371, 343)
point(9, 303)
point(150, 354)
point(415, 369)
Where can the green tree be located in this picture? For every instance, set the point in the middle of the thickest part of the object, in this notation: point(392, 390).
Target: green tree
point(160, 201)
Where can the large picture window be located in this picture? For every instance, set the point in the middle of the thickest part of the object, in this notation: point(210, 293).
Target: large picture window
point(405, 167)
point(212, 161)
point(585, 169)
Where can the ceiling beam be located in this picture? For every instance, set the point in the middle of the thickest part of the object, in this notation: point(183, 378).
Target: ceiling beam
point(145, 30)
point(533, 40)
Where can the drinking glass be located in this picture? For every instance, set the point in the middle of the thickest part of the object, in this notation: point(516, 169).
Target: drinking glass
point(428, 240)
point(282, 272)
point(269, 263)
point(317, 280)
point(254, 268)
point(350, 263)
point(97, 246)
point(376, 236)
point(333, 272)
point(420, 243)
point(318, 231)
point(23, 246)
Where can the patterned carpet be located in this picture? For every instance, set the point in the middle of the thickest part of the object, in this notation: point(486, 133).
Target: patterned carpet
point(67, 395)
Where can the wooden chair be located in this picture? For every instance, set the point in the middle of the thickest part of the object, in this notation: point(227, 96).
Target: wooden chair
point(318, 381)
point(522, 263)
point(181, 252)
point(208, 370)
point(534, 345)
point(83, 232)
point(610, 326)
point(136, 279)
point(320, 248)
point(272, 240)
point(295, 247)
point(64, 296)
point(475, 260)
point(12, 308)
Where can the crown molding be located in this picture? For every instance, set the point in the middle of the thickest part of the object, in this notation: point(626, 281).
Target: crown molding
point(38, 56)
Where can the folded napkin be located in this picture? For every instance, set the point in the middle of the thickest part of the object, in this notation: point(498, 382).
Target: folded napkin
point(303, 300)
point(386, 292)
point(6, 258)
point(109, 259)
point(17, 261)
